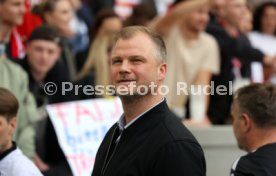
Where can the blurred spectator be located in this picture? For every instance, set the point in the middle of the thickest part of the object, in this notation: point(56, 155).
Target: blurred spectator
point(58, 14)
point(42, 66)
point(254, 124)
point(106, 20)
point(80, 40)
point(12, 161)
point(11, 14)
point(14, 78)
point(83, 12)
point(216, 9)
point(81, 23)
point(142, 15)
point(193, 56)
point(96, 68)
point(30, 22)
point(246, 23)
point(236, 56)
point(264, 18)
point(264, 35)
point(245, 27)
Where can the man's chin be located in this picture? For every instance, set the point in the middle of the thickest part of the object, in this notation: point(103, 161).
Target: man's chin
point(126, 86)
point(126, 94)
point(129, 94)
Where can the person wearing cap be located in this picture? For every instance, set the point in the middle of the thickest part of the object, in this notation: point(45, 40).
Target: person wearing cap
point(42, 65)
point(193, 58)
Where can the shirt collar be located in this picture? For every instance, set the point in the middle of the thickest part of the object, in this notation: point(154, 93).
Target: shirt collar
point(122, 123)
point(5, 153)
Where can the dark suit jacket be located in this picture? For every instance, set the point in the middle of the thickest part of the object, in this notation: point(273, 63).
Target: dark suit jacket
point(155, 144)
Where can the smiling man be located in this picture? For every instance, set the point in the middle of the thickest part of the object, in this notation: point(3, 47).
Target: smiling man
point(148, 139)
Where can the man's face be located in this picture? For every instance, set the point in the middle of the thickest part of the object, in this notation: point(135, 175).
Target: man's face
point(6, 131)
point(237, 125)
point(234, 11)
point(133, 62)
point(42, 55)
point(12, 12)
point(198, 19)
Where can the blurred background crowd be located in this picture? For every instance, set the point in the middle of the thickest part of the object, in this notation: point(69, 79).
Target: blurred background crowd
point(57, 41)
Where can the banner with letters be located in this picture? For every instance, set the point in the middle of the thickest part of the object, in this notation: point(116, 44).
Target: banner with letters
point(81, 126)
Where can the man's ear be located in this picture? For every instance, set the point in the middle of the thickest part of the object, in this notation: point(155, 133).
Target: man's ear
point(247, 122)
point(12, 125)
point(162, 71)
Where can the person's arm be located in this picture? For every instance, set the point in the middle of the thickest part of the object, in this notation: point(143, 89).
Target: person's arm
point(210, 65)
point(164, 24)
point(41, 165)
point(248, 53)
point(180, 158)
point(199, 102)
point(203, 79)
point(269, 61)
point(27, 114)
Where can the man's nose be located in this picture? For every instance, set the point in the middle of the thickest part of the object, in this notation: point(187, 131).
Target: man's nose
point(44, 55)
point(125, 67)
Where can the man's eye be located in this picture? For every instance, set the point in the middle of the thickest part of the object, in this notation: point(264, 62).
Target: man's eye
point(116, 61)
point(137, 61)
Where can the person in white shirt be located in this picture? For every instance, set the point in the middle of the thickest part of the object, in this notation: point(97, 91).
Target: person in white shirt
point(12, 160)
point(263, 36)
point(193, 57)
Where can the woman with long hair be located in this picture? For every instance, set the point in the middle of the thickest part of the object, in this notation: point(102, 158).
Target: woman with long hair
point(96, 68)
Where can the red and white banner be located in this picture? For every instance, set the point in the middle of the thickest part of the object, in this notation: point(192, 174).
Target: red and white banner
point(81, 126)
